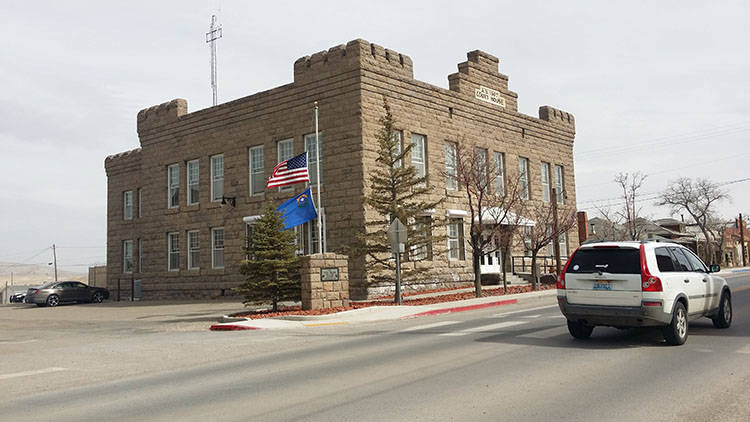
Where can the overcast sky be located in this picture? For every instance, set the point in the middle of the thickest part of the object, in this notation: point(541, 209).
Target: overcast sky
point(657, 87)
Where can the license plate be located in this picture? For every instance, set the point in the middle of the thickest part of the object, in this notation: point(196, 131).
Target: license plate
point(602, 285)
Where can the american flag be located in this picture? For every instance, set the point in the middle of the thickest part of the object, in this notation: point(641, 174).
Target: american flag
point(287, 172)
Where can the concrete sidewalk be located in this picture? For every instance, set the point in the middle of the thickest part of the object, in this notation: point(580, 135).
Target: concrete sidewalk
point(382, 313)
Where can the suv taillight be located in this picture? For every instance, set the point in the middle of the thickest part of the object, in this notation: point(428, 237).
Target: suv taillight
point(561, 277)
point(649, 282)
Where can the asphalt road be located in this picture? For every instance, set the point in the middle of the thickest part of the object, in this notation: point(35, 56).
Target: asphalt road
point(505, 363)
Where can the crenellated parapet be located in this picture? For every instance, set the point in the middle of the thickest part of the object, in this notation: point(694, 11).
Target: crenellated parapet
point(161, 114)
point(557, 117)
point(122, 159)
point(479, 77)
point(355, 54)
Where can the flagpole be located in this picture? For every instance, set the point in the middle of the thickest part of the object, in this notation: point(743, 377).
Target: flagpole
point(317, 178)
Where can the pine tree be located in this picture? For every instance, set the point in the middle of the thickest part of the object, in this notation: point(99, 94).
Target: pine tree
point(272, 269)
point(396, 191)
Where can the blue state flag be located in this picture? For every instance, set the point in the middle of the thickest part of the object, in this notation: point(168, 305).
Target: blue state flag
point(297, 210)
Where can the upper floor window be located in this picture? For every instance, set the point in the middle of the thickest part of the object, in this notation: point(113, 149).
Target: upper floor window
point(285, 151)
point(499, 173)
point(257, 182)
point(559, 184)
point(523, 172)
point(217, 177)
point(140, 202)
point(192, 182)
point(173, 182)
point(127, 205)
point(314, 152)
point(451, 174)
point(418, 155)
point(545, 182)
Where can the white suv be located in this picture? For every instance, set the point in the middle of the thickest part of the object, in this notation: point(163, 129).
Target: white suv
point(637, 284)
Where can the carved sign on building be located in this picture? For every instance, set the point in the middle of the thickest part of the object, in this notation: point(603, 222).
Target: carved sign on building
point(329, 274)
point(489, 95)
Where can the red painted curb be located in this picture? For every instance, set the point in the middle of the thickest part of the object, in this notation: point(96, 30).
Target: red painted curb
point(464, 308)
point(222, 327)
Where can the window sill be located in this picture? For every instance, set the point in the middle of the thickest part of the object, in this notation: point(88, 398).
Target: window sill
point(170, 211)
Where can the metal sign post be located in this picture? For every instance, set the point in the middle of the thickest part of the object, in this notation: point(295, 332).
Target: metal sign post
point(397, 236)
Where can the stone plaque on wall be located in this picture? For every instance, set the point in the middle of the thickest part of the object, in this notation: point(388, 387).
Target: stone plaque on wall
point(329, 274)
point(489, 95)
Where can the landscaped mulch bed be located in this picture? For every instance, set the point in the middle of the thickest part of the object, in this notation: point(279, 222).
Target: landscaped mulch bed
point(297, 310)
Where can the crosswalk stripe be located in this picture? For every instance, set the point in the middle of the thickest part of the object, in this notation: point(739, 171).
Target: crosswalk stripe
point(483, 328)
point(428, 326)
point(548, 333)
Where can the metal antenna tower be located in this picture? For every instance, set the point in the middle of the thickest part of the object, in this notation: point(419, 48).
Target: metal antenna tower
point(212, 35)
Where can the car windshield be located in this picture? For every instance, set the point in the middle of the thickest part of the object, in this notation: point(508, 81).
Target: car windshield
point(606, 260)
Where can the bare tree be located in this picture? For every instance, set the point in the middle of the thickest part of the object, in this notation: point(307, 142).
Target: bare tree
point(631, 184)
point(611, 229)
point(494, 203)
point(717, 228)
point(545, 231)
point(698, 198)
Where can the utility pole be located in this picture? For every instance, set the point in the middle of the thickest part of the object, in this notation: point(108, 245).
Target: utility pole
point(54, 259)
point(742, 241)
point(556, 245)
point(213, 34)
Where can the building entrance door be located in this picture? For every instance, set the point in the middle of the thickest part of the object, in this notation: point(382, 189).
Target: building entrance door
point(490, 261)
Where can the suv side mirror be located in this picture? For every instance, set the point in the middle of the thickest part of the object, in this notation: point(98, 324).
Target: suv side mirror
point(714, 268)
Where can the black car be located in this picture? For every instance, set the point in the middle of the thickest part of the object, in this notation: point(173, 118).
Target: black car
point(57, 292)
point(17, 298)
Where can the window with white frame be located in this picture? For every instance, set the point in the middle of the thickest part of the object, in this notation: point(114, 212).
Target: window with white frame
point(257, 182)
point(173, 249)
point(398, 137)
point(545, 182)
point(193, 178)
point(140, 202)
point(423, 251)
point(499, 175)
point(127, 205)
point(523, 172)
point(563, 239)
point(455, 239)
point(482, 166)
point(194, 250)
point(140, 255)
point(285, 151)
point(418, 155)
point(217, 247)
point(173, 182)
point(127, 256)
point(217, 177)
point(451, 174)
point(559, 184)
point(314, 152)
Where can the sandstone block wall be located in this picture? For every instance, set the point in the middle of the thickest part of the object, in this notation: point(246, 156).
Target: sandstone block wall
point(320, 294)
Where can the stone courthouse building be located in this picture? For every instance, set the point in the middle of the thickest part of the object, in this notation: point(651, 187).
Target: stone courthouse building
point(180, 205)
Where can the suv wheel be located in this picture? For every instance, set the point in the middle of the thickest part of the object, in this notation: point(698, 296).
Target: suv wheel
point(676, 332)
point(579, 330)
point(724, 318)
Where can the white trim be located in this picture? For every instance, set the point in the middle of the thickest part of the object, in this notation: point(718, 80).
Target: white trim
point(455, 213)
point(250, 219)
point(427, 213)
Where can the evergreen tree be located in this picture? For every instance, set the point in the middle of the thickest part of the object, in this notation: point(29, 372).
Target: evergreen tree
point(272, 269)
point(396, 191)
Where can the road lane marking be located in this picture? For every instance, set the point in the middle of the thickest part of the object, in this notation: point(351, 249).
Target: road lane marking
point(484, 328)
point(29, 373)
point(544, 334)
point(524, 310)
point(4, 342)
point(531, 316)
point(739, 289)
point(745, 349)
point(428, 326)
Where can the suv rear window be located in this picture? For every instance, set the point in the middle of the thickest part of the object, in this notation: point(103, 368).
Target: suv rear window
point(606, 260)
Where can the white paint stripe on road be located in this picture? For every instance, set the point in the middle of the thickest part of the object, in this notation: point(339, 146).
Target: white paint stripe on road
point(3, 342)
point(524, 310)
point(548, 333)
point(428, 326)
point(745, 349)
point(531, 316)
point(29, 373)
point(484, 328)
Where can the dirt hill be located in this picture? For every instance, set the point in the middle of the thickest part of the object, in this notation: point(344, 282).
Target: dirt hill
point(34, 274)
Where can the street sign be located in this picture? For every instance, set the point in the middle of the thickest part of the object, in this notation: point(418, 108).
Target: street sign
point(397, 235)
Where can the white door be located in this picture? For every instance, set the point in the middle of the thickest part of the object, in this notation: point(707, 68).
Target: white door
point(693, 283)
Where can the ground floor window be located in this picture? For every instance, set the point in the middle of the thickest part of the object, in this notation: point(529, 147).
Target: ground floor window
point(193, 250)
point(173, 248)
point(456, 239)
point(217, 247)
point(127, 256)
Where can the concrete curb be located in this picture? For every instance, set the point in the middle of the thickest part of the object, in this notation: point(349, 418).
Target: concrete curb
point(379, 313)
